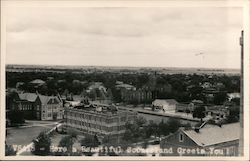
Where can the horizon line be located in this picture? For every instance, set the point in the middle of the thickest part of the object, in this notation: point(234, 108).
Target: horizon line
point(69, 65)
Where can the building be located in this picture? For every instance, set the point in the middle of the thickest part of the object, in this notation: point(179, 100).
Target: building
point(233, 96)
point(98, 119)
point(137, 96)
point(184, 107)
point(188, 107)
point(206, 140)
point(37, 82)
point(165, 104)
point(36, 106)
point(217, 113)
point(147, 93)
point(97, 86)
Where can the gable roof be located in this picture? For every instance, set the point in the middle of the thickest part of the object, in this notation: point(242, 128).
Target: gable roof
point(33, 96)
point(46, 99)
point(28, 96)
point(213, 134)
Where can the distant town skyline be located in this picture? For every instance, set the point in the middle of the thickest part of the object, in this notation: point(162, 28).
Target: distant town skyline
point(193, 37)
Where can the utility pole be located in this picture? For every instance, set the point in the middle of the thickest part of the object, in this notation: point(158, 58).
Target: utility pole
point(241, 140)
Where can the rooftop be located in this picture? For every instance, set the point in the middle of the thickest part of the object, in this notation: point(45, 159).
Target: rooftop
point(33, 96)
point(101, 109)
point(213, 134)
point(37, 81)
point(164, 101)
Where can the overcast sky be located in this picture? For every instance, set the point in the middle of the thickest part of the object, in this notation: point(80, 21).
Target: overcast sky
point(158, 37)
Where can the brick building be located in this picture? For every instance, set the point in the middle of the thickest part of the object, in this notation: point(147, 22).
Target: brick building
point(36, 106)
point(98, 119)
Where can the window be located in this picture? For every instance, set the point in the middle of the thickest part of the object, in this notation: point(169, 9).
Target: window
point(181, 137)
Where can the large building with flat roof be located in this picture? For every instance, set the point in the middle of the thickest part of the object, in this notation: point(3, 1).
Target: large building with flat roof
point(98, 119)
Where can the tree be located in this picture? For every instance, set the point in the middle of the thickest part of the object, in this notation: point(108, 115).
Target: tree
point(67, 142)
point(173, 125)
point(89, 142)
point(234, 114)
point(220, 98)
point(236, 101)
point(199, 112)
point(42, 144)
point(9, 150)
point(16, 117)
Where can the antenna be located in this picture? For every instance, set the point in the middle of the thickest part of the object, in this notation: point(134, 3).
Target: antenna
point(201, 54)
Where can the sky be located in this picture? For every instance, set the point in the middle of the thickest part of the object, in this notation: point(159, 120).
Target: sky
point(202, 37)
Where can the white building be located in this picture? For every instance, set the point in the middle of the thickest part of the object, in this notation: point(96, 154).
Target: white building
point(165, 104)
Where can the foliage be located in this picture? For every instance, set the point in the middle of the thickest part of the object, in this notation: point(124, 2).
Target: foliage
point(199, 112)
point(220, 98)
point(9, 150)
point(89, 142)
point(67, 142)
point(178, 83)
point(140, 130)
point(135, 131)
point(234, 114)
point(16, 117)
point(42, 144)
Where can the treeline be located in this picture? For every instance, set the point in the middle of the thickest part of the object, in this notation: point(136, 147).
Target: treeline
point(183, 87)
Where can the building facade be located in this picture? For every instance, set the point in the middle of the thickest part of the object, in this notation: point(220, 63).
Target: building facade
point(165, 104)
point(207, 140)
point(38, 107)
point(98, 119)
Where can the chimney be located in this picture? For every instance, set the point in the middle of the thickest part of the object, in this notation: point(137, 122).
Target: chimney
point(197, 129)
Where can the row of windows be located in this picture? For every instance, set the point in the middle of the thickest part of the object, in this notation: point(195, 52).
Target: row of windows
point(96, 118)
point(25, 107)
point(99, 127)
point(140, 95)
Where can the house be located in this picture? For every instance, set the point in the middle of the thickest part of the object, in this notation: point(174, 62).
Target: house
point(185, 107)
point(165, 104)
point(217, 113)
point(137, 96)
point(51, 108)
point(36, 106)
point(37, 82)
point(206, 85)
point(97, 85)
point(233, 95)
point(210, 94)
point(188, 107)
point(206, 140)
